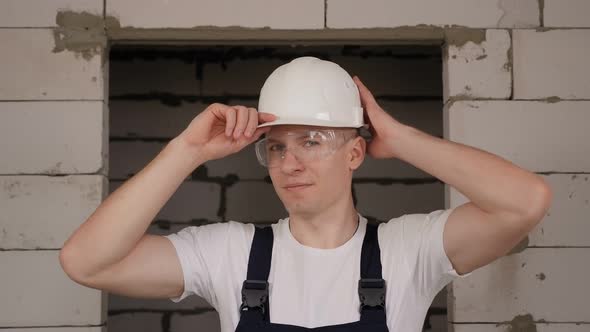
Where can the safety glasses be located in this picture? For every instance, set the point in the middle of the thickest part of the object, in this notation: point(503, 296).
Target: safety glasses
point(305, 145)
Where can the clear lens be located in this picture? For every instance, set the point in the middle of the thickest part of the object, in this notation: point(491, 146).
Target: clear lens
point(305, 146)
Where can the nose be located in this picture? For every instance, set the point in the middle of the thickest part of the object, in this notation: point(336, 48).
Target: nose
point(290, 163)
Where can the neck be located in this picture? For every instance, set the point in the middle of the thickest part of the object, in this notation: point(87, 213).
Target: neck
point(328, 229)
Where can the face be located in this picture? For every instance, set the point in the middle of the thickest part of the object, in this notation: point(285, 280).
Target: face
point(310, 186)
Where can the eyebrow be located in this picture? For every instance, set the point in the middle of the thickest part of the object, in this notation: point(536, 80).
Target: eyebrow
point(272, 140)
point(300, 136)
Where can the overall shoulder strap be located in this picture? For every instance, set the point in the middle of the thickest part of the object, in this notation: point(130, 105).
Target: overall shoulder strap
point(255, 287)
point(371, 286)
point(371, 253)
point(260, 253)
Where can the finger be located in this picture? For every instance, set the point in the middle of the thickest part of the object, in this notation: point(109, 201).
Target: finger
point(252, 121)
point(244, 141)
point(265, 117)
point(242, 120)
point(230, 120)
point(259, 132)
point(366, 95)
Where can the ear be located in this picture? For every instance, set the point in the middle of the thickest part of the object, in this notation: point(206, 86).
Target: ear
point(357, 153)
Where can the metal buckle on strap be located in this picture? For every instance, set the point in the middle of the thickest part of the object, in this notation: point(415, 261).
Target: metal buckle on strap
point(254, 295)
point(372, 293)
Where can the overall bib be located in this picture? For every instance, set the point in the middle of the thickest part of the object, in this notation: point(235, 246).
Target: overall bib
point(254, 311)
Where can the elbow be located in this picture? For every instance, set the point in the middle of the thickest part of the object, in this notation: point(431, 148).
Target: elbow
point(541, 200)
point(68, 265)
point(65, 261)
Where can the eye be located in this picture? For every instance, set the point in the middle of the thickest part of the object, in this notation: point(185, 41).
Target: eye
point(276, 147)
point(310, 143)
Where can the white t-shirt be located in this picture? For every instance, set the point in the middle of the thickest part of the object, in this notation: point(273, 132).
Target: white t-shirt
point(313, 287)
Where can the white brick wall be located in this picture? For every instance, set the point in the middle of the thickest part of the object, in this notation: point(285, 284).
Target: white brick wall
point(531, 282)
point(60, 204)
point(45, 144)
point(407, 13)
point(566, 223)
point(36, 292)
point(33, 71)
point(278, 14)
point(507, 128)
point(552, 63)
point(52, 122)
point(570, 13)
point(479, 71)
point(41, 14)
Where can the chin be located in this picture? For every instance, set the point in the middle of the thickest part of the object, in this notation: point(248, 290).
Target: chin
point(297, 205)
point(301, 210)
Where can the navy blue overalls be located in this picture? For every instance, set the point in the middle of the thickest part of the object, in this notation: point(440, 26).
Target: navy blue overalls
point(254, 311)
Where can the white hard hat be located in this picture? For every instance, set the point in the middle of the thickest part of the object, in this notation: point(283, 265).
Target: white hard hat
point(311, 91)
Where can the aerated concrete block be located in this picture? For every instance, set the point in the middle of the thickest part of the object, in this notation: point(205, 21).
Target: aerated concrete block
point(42, 14)
point(274, 14)
point(41, 212)
point(37, 292)
point(551, 64)
point(571, 13)
point(53, 137)
point(409, 13)
point(37, 65)
point(553, 135)
point(477, 69)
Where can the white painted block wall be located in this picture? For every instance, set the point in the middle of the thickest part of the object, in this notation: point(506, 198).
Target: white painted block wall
point(53, 147)
point(540, 125)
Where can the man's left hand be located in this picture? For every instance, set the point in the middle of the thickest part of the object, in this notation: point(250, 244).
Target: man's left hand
point(383, 127)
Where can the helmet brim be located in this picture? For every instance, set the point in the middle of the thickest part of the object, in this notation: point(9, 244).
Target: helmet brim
point(308, 122)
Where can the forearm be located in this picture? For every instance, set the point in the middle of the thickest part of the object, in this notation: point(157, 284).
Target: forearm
point(116, 226)
point(489, 181)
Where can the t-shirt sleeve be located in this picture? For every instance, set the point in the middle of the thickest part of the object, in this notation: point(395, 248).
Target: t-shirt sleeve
point(425, 254)
point(199, 250)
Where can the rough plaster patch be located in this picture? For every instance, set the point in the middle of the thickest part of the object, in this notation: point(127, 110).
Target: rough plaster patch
point(522, 323)
point(552, 99)
point(81, 32)
point(544, 29)
point(480, 64)
point(508, 65)
point(459, 37)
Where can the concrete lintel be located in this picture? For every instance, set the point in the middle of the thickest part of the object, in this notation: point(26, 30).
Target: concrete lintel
point(239, 35)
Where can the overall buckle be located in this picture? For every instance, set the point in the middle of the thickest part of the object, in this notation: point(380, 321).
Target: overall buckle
point(254, 295)
point(372, 293)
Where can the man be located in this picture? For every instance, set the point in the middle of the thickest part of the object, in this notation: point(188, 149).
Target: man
point(324, 266)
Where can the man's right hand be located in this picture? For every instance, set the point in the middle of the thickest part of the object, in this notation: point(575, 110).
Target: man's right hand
point(221, 130)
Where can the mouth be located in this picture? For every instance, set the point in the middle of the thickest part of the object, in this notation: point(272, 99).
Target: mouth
point(297, 187)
